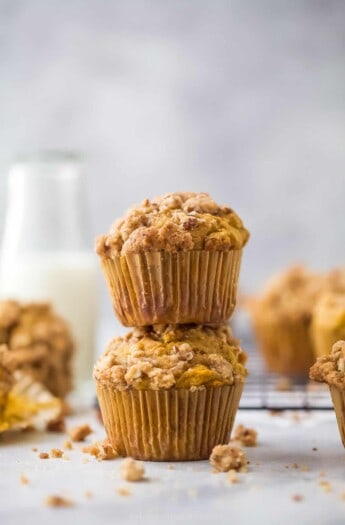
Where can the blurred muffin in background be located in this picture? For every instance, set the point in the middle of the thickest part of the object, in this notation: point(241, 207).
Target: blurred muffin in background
point(40, 343)
point(6, 376)
point(281, 319)
point(328, 316)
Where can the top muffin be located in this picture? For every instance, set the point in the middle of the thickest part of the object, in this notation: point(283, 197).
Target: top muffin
point(175, 222)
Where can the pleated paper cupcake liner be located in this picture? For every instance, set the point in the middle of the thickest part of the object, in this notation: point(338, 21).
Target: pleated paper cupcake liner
point(169, 425)
point(338, 398)
point(28, 405)
point(285, 346)
point(178, 288)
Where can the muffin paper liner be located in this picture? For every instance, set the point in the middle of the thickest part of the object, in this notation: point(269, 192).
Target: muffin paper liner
point(173, 287)
point(338, 398)
point(169, 425)
point(286, 346)
point(28, 405)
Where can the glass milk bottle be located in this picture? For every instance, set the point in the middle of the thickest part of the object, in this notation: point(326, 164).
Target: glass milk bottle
point(46, 254)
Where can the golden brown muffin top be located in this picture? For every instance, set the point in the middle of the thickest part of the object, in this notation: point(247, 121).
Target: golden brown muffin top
point(166, 356)
point(174, 222)
point(331, 368)
point(329, 311)
point(290, 295)
point(6, 374)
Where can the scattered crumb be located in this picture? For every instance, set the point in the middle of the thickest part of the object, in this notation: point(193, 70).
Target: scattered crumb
point(246, 436)
point(24, 480)
point(275, 413)
point(325, 485)
point(80, 432)
point(56, 453)
point(57, 424)
point(88, 494)
point(132, 470)
point(228, 457)
point(295, 465)
point(123, 491)
point(314, 449)
point(102, 450)
point(171, 467)
point(232, 476)
point(67, 445)
point(342, 495)
point(305, 468)
point(283, 384)
point(43, 455)
point(34, 449)
point(297, 497)
point(58, 501)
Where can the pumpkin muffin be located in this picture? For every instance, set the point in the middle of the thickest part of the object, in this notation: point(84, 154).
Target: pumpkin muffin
point(281, 319)
point(39, 342)
point(6, 376)
point(170, 392)
point(175, 259)
point(328, 322)
point(330, 369)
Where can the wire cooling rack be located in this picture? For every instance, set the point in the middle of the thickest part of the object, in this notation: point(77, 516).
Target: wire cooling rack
point(263, 390)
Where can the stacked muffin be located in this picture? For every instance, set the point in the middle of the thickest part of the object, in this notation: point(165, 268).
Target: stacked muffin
point(169, 390)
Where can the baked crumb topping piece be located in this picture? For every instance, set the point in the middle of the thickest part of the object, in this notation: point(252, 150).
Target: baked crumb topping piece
point(102, 450)
point(56, 453)
point(247, 437)
point(40, 343)
point(174, 222)
point(132, 470)
point(228, 457)
point(80, 432)
point(58, 501)
point(331, 368)
point(165, 356)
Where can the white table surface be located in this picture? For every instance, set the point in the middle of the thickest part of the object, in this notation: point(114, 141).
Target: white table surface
point(189, 493)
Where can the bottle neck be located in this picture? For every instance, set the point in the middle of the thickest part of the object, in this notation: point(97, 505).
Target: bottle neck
point(45, 208)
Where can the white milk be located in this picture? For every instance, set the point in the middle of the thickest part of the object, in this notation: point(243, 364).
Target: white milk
point(69, 281)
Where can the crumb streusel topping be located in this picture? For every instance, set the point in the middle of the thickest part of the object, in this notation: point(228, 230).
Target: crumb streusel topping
point(331, 368)
point(174, 222)
point(291, 294)
point(165, 356)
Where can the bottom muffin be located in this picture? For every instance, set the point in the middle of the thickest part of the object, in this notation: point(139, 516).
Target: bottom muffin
point(330, 369)
point(170, 392)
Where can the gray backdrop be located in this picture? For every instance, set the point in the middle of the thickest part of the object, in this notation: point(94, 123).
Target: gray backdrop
point(241, 99)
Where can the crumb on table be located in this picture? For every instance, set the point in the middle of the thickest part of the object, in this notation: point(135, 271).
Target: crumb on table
point(80, 432)
point(58, 501)
point(24, 480)
point(246, 436)
point(123, 491)
point(57, 424)
point(228, 457)
point(67, 445)
point(232, 476)
point(298, 498)
point(56, 453)
point(102, 450)
point(43, 455)
point(132, 470)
